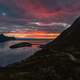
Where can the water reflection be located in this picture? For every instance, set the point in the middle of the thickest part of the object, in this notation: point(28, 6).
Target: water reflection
point(9, 56)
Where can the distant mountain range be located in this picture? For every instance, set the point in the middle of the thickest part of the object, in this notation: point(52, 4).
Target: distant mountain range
point(4, 38)
point(58, 60)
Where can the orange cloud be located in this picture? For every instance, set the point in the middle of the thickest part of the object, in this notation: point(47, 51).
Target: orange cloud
point(38, 35)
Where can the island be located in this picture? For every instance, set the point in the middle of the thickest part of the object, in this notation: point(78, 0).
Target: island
point(21, 44)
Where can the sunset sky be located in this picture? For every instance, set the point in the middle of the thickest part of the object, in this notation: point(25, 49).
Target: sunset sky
point(33, 35)
point(37, 15)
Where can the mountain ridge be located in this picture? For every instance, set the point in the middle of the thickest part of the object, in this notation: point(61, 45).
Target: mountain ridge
point(4, 38)
point(68, 37)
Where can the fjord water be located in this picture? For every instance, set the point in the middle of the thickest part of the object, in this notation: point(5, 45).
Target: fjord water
point(9, 56)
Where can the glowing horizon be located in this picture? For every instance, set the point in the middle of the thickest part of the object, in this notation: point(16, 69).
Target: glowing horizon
point(37, 35)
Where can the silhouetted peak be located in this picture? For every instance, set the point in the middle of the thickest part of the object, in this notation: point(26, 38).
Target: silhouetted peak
point(69, 36)
point(4, 38)
point(76, 23)
point(77, 20)
point(2, 35)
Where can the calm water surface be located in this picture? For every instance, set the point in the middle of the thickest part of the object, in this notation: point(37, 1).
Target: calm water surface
point(9, 56)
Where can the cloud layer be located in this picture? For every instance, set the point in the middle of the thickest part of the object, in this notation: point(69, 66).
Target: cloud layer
point(23, 12)
point(39, 8)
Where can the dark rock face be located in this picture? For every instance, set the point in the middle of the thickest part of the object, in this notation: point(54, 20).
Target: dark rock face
point(69, 37)
point(4, 38)
point(50, 63)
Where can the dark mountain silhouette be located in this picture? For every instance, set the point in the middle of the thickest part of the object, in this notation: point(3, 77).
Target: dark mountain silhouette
point(50, 63)
point(69, 37)
point(4, 38)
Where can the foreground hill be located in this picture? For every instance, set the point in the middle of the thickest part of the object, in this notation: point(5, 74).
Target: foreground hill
point(58, 60)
